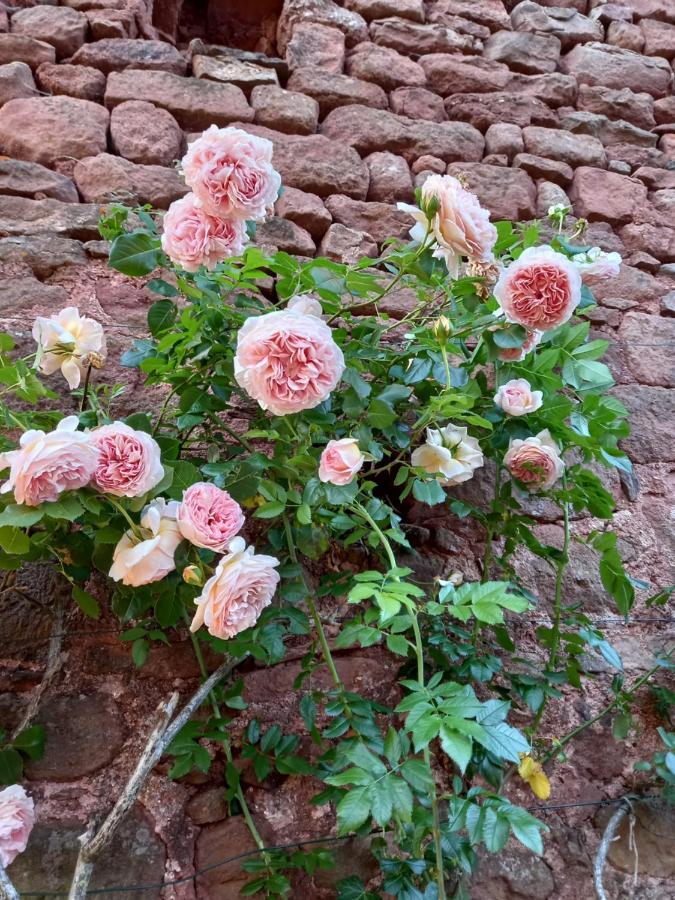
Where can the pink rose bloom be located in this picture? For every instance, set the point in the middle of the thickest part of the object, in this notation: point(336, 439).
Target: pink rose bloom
point(518, 354)
point(340, 461)
point(540, 290)
point(517, 398)
point(193, 238)
point(287, 360)
point(231, 173)
point(209, 517)
point(17, 817)
point(129, 462)
point(45, 465)
point(65, 341)
point(535, 462)
point(461, 226)
point(596, 265)
point(241, 587)
point(141, 559)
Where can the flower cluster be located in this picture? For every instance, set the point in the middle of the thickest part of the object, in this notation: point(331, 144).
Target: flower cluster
point(17, 817)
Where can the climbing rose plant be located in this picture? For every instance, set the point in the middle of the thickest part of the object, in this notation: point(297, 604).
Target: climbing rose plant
point(289, 426)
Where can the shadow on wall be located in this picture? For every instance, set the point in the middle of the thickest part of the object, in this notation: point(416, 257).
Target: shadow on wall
point(248, 26)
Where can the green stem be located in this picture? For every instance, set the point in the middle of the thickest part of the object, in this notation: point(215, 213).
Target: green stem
point(446, 364)
point(135, 528)
point(85, 389)
point(240, 440)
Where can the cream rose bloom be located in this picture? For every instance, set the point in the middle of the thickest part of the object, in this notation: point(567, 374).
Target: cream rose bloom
point(535, 462)
point(139, 561)
point(450, 452)
point(596, 265)
point(340, 461)
point(65, 341)
point(241, 587)
point(46, 464)
point(517, 398)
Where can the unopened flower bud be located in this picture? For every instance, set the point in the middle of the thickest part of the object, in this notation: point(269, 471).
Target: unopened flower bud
point(442, 328)
point(193, 575)
point(96, 360)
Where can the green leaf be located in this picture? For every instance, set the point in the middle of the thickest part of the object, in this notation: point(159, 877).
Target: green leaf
point(425, 730)
point(270, 510)
point(353, 379)
point(504, 741)
point(457, 746)
point(21, 516)
point(31, 741)
point(141, 349)
point(526, 829)
point(87, 603)
point(169, 608)
point(137, 253)
point(139, 651)
point(11, 766)
point(430, 492)
point(353, 810)
point(13, 540)
point(381, 801)
point(67, 507)
point(418, 775)
point(495, 830)
point(161, 316)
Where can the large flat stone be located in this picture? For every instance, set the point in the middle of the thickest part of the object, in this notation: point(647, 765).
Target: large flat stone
point(112, 179)
point(606, 196)
point(42, 253)
point(614, 67)
point(646, 345)
point(20, 216)
point(27, 179)
point(65, 29)
point(379, 220)
point(117, 54)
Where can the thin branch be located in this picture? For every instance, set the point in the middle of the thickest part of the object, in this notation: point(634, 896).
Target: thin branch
point(7, 889)
point(607, 838)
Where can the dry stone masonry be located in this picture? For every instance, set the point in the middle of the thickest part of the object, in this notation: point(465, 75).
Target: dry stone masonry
point(536, 103)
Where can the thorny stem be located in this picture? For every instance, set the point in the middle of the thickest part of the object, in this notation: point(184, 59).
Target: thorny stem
point(85, 389)
point(419, 653)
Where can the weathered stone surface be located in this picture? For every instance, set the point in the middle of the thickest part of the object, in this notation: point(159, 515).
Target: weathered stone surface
point(25, 295)
point(664, 111)
point(644, 847)
point(513, 873)
point(26, 179)
point(144, 133)
point(651, 412)
point(656, 179)
point(82, 82)
point(554, 88)
point(306, 210)
point(112, 23)
point(409, 37)
point(285, 111)
point(21, 48)
point(504, 139)
point(548, 195)
point(507, 193)
point(379, 220)
point(608, 132)
point(626, 36)
point(417, 103)
point(606, 195)
point(622, 103)
point(331, 91)
point(659, 38)
point(522, 52)
point(575, 150)
point(646, 344)
point(568, 25)
point(448, 74)
point(379, 9)
point(613, 67)
point(285, 235)
point(372, 130)
point(483, 110)
point(243, 74)
point(323, 12)
point(428, 164)
point(106, 178)
point(65, 29)
point(16, 82)
point(317, 46)
point(384, 66)
point(117, 54)
point(347, 245)
point(208, 806)
point(194, 102)
point(42, 253)
point(541, 167)
point(222, 881)
point(20, 216)
point(44, 129)
point(656, 240)
point(654, 9)
point(390, 179)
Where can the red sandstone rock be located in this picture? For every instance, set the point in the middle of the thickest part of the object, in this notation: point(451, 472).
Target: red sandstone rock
point(656, 179)
point(26, 179)
point(347, 245)
point(144, 133)
point(548, 195)
point(285, 235)
point(554, 89)
point(612, 12)
point(664, 111)
point(306, 210)
point(372, 130)
point(286, 111)
point(417, 103)
point(81, 82)
point(506, 193)
point(605, 130)
point(21, 216)
point(195, 103)
point(65, 29)
point(637, 156)
point(16, 82)
point(428, 164)
point(241, 73)
point(379, 9)
point(659, 38)
point(638, 109)
point(547, 169)
point(331, 91)
point(667, 145)
point(574, 149)
point(21, 48)
point(490, 13)
point(626, 36)
point(323, 12)
point(118, 54)
point(44, 129)
point(464, 75)
point(379, 220)
point(568, 25)
point(390, 179)
point(654, 239)
point(528, 53)
point(654, 9)
point(606, 196)
point(483, 110)
point(384, 66)
point(316, 46)
point(112, 23)
point(657, 366)
point(613, 67)
point(105, 178)
point(504, 139)
point(410, 38)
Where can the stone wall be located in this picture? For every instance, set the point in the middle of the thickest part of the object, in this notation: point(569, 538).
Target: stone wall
point(536, 103)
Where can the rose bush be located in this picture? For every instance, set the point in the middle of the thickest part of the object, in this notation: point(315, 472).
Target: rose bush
point(299, 419)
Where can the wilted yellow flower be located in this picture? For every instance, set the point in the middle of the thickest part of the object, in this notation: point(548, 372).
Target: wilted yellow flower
point(193, 575)
point(531, 772)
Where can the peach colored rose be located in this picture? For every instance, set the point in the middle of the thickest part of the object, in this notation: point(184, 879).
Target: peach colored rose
point(287, 361)
point(45, 465)
point(17, 817)
point(142, 558)
point(461, 226)
point(307, 304)
point(518, 354)
point(231, 173)
point(129, 462)
point(535, 462)
point(193, 238)
point(241, 587)
point(540, 290)
point(340, 461)
point(596, 265)
point(208, 517)
point(450, 452)
point(65, 342)
point(517, 398)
